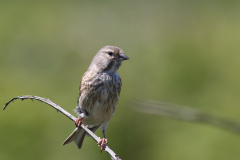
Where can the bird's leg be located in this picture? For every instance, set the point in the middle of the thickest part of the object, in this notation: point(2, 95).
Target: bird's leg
point(103, 141)
point(78, 122)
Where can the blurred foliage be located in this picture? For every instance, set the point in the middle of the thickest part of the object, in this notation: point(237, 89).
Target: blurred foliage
point(184, 52)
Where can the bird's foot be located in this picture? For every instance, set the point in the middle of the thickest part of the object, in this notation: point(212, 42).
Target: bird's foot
point(78, 122)
point(102, 142)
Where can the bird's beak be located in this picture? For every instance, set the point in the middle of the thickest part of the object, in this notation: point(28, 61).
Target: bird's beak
point(122, 57)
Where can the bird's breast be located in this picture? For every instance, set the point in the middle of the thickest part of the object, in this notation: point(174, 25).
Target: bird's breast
point(101, 98)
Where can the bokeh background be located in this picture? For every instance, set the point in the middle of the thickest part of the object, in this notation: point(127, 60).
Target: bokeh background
point(181, 51)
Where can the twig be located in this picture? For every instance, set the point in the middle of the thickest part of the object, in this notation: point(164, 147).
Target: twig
point(184, 113)
point(113, 155)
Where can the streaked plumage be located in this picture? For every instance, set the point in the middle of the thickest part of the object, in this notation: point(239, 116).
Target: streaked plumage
point(99, 92)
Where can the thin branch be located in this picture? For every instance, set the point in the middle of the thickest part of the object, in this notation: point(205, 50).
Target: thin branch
point(113, 155)
point(184, 113)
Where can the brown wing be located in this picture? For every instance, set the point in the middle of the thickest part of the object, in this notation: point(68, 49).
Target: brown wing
point(88, 83)
point(80, 89)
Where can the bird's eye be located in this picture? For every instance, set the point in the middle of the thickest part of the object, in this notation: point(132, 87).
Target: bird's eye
point(110, 53)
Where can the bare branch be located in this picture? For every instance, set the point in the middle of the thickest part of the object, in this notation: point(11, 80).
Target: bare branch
point(113, 155)
point(184, 113)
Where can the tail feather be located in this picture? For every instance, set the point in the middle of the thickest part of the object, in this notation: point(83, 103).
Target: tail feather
point(77, 136)
point(71, 137)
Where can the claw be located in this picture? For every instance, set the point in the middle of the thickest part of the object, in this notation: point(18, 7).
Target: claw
point(78, 122)
point(102, 142)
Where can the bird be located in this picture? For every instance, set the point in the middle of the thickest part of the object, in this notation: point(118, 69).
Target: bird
point(99, 92)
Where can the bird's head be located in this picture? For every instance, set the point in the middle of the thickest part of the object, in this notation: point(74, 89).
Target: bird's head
point(108, 59)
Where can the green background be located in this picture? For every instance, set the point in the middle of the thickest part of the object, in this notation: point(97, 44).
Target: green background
point(181, 51)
